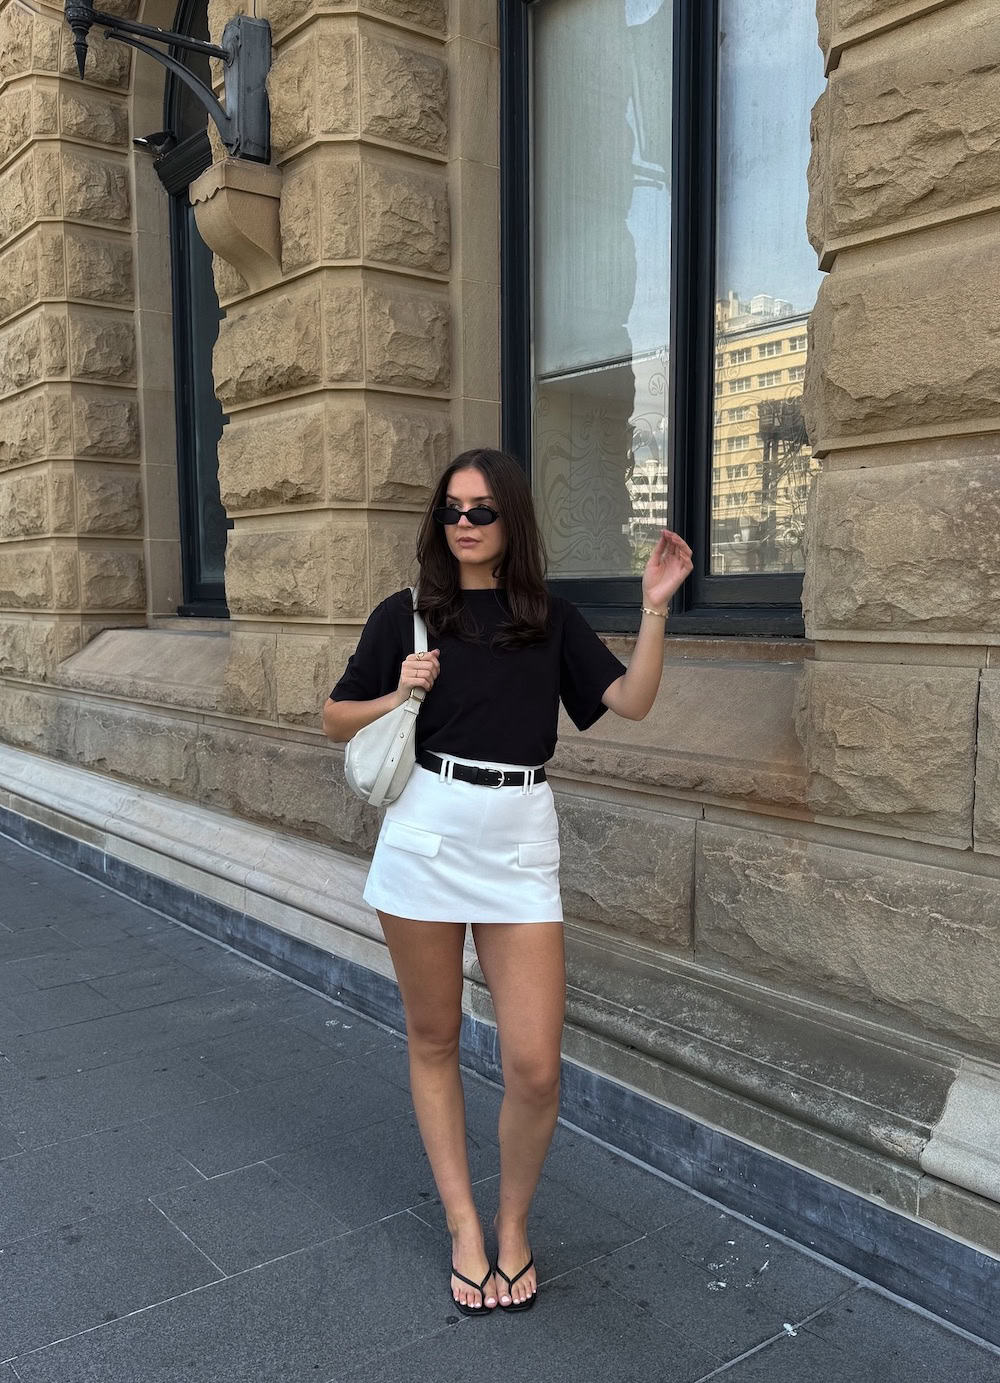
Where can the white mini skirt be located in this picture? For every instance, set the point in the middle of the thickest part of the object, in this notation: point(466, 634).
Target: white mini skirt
point(450, 851)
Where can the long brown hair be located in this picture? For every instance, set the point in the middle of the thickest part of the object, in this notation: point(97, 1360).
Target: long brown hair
point(521, 568)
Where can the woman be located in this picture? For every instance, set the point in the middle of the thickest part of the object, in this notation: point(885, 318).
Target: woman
point(473, 837)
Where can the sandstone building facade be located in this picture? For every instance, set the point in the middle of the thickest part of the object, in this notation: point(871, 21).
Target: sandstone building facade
point(784, 883)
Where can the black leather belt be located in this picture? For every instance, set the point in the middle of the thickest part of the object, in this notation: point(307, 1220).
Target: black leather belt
point(485, 777)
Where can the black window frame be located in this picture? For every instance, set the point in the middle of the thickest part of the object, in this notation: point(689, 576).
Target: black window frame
point(753, 604)
point(177, 168)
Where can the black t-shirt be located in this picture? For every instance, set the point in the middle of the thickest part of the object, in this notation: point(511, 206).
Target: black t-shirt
point(499, 704)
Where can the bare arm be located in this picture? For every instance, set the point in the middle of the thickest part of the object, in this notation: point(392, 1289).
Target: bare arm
point(343, 719)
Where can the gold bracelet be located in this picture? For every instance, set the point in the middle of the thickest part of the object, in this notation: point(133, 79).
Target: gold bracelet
point(662, 613)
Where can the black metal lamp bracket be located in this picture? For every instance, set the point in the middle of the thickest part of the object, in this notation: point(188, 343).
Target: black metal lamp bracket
point(244, 121)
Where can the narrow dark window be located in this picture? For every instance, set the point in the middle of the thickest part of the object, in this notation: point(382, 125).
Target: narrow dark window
point(654, 160)
point(196, 316)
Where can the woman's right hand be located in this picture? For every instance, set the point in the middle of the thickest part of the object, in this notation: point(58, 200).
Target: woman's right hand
point(418, 672)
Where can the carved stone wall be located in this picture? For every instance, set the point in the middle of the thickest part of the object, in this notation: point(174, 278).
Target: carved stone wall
point(71, 514)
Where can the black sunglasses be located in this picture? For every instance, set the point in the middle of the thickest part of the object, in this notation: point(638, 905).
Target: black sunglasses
point(481, 514)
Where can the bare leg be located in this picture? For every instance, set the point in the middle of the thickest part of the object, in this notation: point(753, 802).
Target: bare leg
point(524, 967)
point(427, 958)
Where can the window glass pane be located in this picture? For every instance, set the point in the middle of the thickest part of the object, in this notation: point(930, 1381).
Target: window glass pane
point(770, 74)
point(600, 107)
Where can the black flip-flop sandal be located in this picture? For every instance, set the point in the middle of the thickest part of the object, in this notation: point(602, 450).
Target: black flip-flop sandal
point(528, 1302)
point(482, 1309)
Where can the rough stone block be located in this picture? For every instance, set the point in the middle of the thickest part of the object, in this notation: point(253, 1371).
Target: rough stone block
point(105, 425)
point(407, 341)
point(98, 267)
point(906, 940)
point(53, 328)
point(268, 460)
point(303, 679)
point(271, 346)
point(911, 125)
point(391, 562)
point(406, 216)
point(424, 14)
point(337, 90)
point(342, 325)
point(340, 205)
point(404, 95)
point(345, 451)
point(291, 93)
point(348, 562)
point(102, 346)
point(905, 342)
point(908, 548)
point(19, 276)
point(407, 451)
point(987, 812)
point(96, 116)
point(137, 746)
point(32, 648)
point(15, 118)
point(15, 41)
point(17, 195)
point(112, 579)
point(299, 215)
point(628, 868)
point(282, 14)
point(107, 63)
point(62, 499)
point(24, 505)
point(248, 685)
point(95, 189)
point(108, 499)
point(25, 578)
point(277, 572)
point(893, 745)
point(65, 577)
point(21, 353)
point(22, 429)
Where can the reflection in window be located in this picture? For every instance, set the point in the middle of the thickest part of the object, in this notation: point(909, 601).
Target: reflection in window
point(601, 102)
point(766, 275)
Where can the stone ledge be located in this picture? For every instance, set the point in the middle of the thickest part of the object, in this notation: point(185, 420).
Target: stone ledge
point(151, 665)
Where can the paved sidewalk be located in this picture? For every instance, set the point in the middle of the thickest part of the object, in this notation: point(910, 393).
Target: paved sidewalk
point(208, 1173)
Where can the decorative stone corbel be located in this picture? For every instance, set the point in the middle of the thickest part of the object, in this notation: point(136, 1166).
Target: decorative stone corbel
point(236, 207)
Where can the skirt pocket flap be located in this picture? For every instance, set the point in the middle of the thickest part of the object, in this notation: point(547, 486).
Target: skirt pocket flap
point(412, 838)
point(534, 852)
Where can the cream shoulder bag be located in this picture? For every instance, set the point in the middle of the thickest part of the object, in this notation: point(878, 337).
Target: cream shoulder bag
point(381, 756)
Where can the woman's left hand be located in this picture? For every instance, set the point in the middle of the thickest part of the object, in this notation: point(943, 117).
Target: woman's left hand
point(668, 567)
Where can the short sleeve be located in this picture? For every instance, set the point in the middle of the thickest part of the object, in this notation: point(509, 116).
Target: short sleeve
point(373, 668)
point(587, 669)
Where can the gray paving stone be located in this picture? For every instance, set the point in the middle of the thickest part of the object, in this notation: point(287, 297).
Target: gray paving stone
point(731, 1303)
point(65, 1106)
point(35, 942)
point(296, 1320)
point(565, 1230)
point(243, 1218)
point(15, 980)
point(273, 1049)
point(54, 1185)
point(574, 1332)
point(158, 983)
point(72, 963)
point(637, 1196)
point(874, 1334)
point(350, 1033)
point(92, 1271)
point(106, 1040)
point(210, 959)
point(33, 1010)
point(376, 1171)
point(276, 1117)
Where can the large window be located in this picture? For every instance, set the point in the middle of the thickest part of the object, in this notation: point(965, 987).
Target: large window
point(655, 263)
point(196, 315)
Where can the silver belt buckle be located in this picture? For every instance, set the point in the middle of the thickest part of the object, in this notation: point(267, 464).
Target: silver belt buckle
point(497, 771)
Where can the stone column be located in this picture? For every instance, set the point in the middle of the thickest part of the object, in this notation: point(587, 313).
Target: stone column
point(902, 593)
point(336, 378)
point(70, 506)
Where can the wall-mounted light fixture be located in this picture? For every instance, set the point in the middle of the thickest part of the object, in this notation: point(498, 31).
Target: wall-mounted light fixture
point(244, 123)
